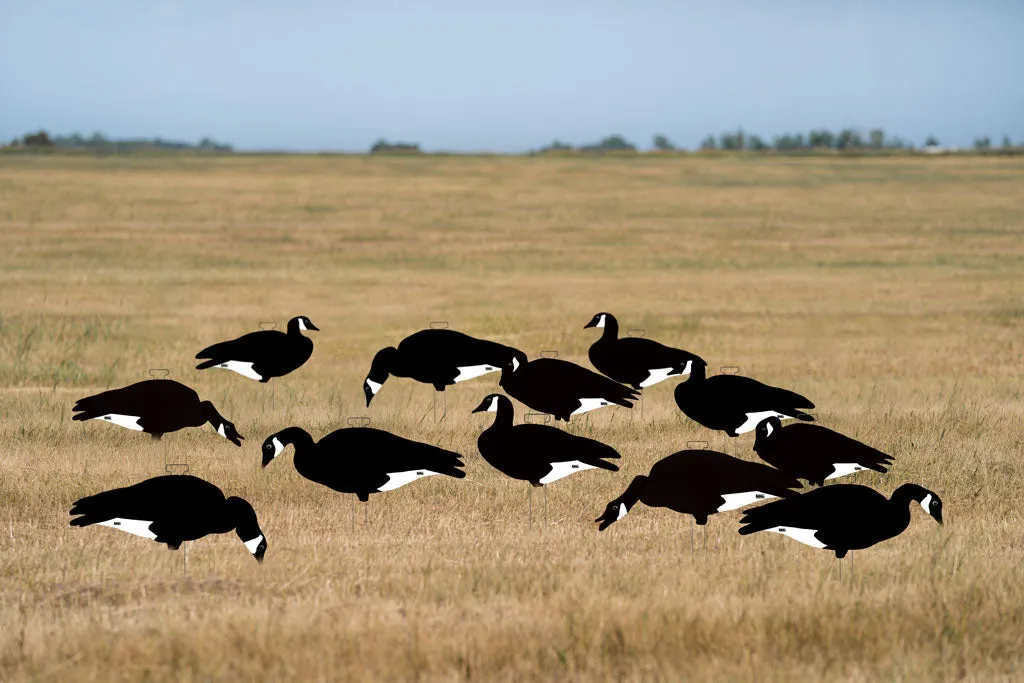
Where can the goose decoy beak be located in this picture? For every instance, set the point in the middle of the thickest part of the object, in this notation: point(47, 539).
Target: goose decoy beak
point(311, 326)
point(482, 408)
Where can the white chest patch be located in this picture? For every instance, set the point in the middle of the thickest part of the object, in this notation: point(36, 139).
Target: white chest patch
point(657, 375)
point(254, 543)
point(738, 500)
point(560, 470)
point(471, 371)
point(137, 527)
point(126, 421)
point(805, 536)
point(399, 479)
point(588, 404)
point(243, 368)
point(844, 468)
point(374, 386)
point(754, 418)
point(622, 511)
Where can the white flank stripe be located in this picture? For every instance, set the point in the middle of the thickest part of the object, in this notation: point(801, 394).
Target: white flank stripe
point(738, 500)
point(588, 404)
point(805, 536)
point(243, 368)
point(126, 421)
point(754, 418)
point(138, 527)
point(657, 375)
point(471, 371)
point(845, 468)
point(254, 543)
point(398, 479)
point(564, 469)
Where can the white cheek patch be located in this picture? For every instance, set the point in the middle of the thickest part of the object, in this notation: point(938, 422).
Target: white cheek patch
point(471, 371)
point(656, 375)
point(493, 408)
point(253, 544)
point(515, 364)
point(805, 536)
point(843, 469)
point(754, 418)
point(925, 502)
point(136, 527)
point(243, 368)
point(588, 404)
point(302, 325)
point(738, 500)
point(220, 430)
point(127, 421)
point(278, 447)
point(560, 470)
point(374, 386)
point(622, 511)
point(769, 429)
point(600, 321)
point(399, 479)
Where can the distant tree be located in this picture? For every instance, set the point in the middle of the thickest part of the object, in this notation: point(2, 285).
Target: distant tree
point(1006, 142)
point(612, 143)
point(40, 139)
point(982, 142)
point(757, 144)
point(663, 144)
point(821, 138)
point(788, 142)
point(931, 141)
point(895, 143)
point(555, 146)
point(383, 145)
point(877, 137)
point(849, 139)
point(732, 141)
point(709, 143)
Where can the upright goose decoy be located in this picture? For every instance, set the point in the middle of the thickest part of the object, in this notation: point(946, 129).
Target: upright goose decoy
point(815, 453)
point(735, 404)
point(362, 460)
point(537, 453)
point(635, 361)
point(561, 388)
point(437, 357)
point(173, 509)
point(156, 407)
point(264, 354)
point(700, 483)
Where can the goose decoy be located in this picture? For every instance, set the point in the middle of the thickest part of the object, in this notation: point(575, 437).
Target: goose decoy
point(156, 407)
point(735, 404)
point(264, 354)
point(813, 452)
point(173, 509)
point(438, 357)
point(561, 388)
point(700, 483)
point(842, 517)
point(536, 453)
point(362, 460)
point(635, 361)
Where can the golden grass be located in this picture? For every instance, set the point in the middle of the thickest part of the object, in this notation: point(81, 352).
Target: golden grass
point(889, 291)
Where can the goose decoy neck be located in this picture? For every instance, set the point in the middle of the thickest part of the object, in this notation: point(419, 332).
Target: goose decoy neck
point(300, 324)
point(766, 432)
point(276, 443)
point(380, 369)
point(928, 500)
point(607, 323)
point(224, 427)
point(501, 406)
point(620, 507)
point(243, 519)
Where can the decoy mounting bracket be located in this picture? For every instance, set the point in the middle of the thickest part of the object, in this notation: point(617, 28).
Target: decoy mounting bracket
point(636, 332)
point(439, 324)
point(536, 418)
point(268, 324)
point(549, 354)
point(159, 373)
point(169, 467)
point(360, 421)
point(729, 369)
point(692, 445)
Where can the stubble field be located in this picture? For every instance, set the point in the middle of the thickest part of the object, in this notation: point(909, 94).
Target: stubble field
point(889, 291)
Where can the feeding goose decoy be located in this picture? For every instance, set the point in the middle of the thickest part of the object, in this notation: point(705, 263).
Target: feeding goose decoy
point(561, 388)
point(700, 483)
point(537, 453)
point(156, 407)
point(635, 361)
point(172, 509)
point(735, 404)
point(842, 517)
point(813, 452)
point(438, 357)
point(264, 354)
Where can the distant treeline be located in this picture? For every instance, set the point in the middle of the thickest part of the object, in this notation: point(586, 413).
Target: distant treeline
point(100, 143)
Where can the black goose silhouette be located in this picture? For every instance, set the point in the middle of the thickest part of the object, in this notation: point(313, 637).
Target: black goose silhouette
point(635, 361)
point(842, 517)
point(561, 388)
point(700, 483)
point(813, 452)
point(437, 357)
point(362, 460)
point(264, 354)
point(735, 404)
point(156, 407)
point(173, 509)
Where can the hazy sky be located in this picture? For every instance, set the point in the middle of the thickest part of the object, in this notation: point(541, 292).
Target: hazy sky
point(484, 75)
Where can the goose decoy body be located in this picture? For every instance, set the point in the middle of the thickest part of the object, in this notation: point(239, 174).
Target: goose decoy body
point(735, 404)
point(635, 361)
point(842, 517)
point(156, 407)
point(537, 453)
point(264, 354)
point(173, 509)
point(362, 460)
point(813, 452)
point(700, 483)
point(561, 388)
point(437, 357)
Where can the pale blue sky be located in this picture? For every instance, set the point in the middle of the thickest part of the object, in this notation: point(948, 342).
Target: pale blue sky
point(481, 75)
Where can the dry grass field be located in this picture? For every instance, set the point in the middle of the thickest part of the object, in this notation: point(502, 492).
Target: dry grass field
point(889, 291)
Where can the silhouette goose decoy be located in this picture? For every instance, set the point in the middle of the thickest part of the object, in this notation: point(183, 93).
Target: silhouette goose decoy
point(172, 509)
point(537, 453)
point(561, 388)
point(362, 460)
point(264, 354)
point(156, 407)
point(813, 452)
point(439, 357)
point(635, 361)
point(735, 404)
point(700, 483)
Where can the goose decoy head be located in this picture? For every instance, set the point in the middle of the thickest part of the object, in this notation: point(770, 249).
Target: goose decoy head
point(272, 448)
point(247, 527)
point(302, 324)
point(766, 431)
point(228, 431)
point(380, 370)
point(599, 320)
point(489, 404)
point(932, 505)
point(515, 361)
point(224, 427)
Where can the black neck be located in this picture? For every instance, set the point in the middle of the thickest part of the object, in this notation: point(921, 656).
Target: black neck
point(506, 413)
point(243, 518)
point(908, 493)
point(611, 328)
point(296, 436)
point(211, 414)
point(293, 327)
point(382, 364)
point(631, 496)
